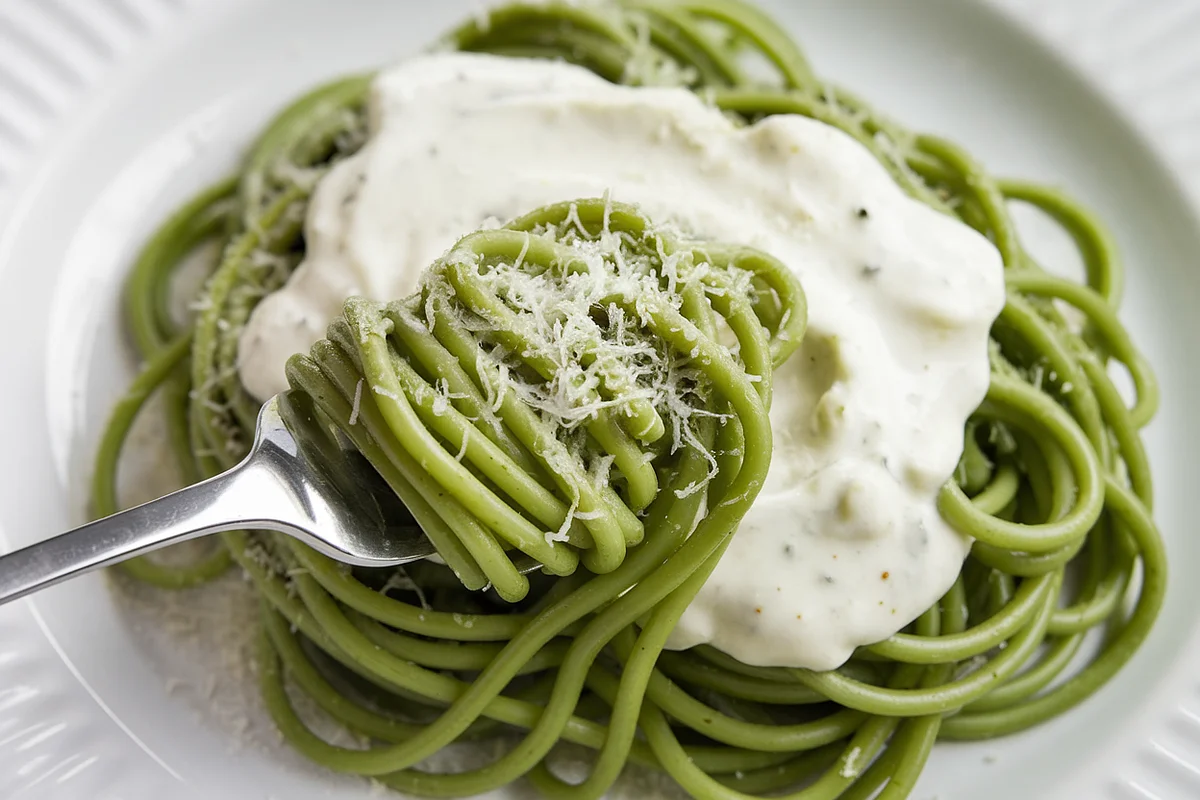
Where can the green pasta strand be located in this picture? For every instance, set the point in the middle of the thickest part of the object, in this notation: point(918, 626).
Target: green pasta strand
point(448, 395)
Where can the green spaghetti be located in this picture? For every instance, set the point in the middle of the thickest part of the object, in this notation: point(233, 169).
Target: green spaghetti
point(495, 453)
point(485, 456)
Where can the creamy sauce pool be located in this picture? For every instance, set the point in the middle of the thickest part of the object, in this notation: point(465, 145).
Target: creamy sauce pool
point(844, 545)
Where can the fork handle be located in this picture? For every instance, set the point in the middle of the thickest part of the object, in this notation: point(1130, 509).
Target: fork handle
point(217, 504)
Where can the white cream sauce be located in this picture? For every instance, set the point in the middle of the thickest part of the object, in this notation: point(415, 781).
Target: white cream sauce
point(844, 545)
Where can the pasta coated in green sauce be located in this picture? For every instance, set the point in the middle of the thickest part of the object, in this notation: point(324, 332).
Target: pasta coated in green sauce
point(1054, 479)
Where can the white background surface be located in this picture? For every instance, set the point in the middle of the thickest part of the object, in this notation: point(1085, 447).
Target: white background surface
point(68, 67)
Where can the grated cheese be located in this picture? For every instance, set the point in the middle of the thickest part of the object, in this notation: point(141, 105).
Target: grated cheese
point(597, 354)
point(382, 392)
point(357, 402)
point(850, 767)
point(399, 579)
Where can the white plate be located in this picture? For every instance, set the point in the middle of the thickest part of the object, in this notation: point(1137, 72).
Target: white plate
point(111, 698)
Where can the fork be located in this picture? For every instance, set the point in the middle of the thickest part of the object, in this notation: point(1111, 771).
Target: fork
point(301, 478)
